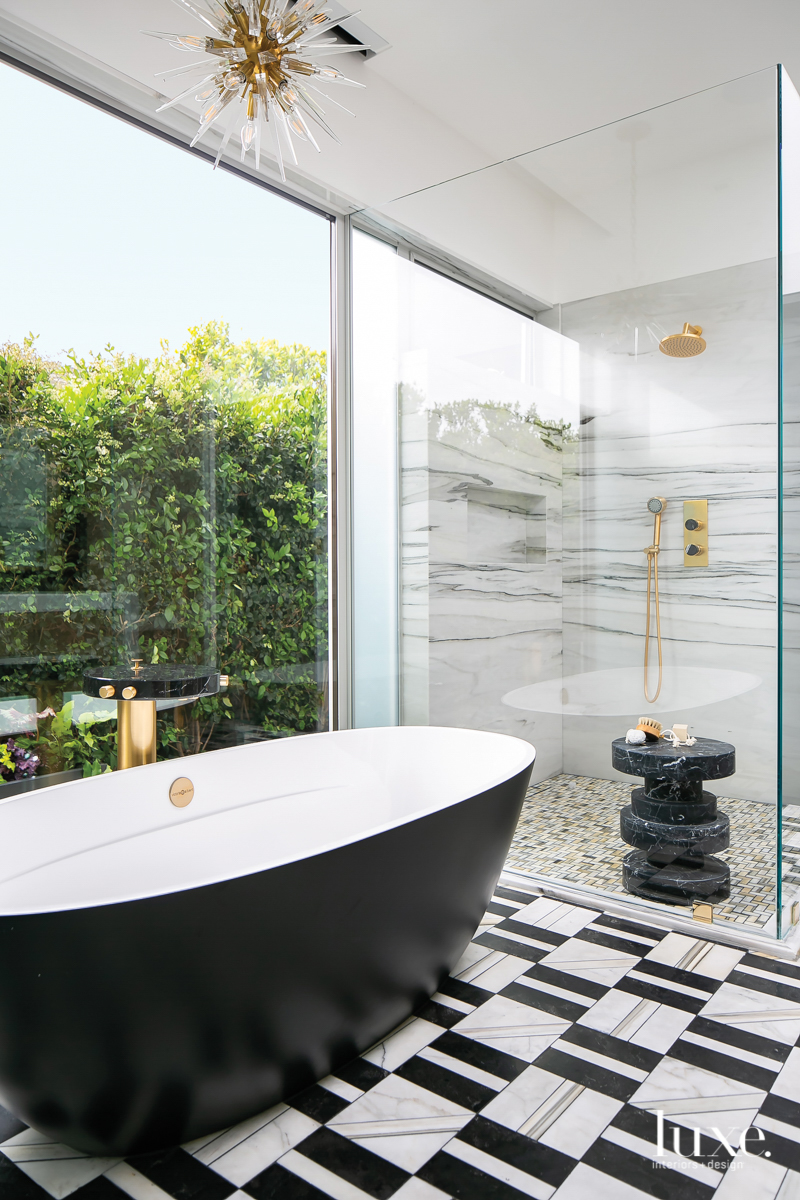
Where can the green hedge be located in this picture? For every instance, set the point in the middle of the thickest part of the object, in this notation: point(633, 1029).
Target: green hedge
point(173, 508)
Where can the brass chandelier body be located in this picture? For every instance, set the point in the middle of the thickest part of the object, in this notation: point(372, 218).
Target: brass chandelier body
point(261, 67)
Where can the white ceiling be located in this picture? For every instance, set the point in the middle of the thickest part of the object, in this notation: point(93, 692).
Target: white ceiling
point(467, 83)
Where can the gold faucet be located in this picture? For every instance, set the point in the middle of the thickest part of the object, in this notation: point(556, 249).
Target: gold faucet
point(136, 727)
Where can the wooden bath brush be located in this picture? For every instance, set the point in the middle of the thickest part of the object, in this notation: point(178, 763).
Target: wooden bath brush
point(650, 728)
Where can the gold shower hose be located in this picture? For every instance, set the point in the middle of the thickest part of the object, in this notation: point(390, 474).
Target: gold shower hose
point(652, 583)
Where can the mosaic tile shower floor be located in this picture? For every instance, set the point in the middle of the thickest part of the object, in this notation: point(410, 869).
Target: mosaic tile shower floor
point(538, 1070)
point(569, 829)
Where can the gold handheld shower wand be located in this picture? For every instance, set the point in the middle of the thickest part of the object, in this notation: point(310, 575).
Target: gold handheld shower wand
point(656, 505)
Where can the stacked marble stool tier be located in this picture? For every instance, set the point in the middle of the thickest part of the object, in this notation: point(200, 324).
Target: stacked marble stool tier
point(673, 823)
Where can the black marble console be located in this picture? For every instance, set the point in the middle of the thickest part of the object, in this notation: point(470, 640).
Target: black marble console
point(673, 823)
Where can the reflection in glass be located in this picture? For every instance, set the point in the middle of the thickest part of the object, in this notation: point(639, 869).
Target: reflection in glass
point(166, 500)
point(619, 238)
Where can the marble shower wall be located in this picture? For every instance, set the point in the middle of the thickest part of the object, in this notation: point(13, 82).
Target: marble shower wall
point(481, 486)
point(683, 429)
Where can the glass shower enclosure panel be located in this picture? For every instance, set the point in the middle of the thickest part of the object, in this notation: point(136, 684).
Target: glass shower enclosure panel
point(789, 696)
point(647, 253)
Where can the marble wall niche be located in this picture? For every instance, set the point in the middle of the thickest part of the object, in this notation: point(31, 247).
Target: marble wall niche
point(696, 428)
point(480, 545)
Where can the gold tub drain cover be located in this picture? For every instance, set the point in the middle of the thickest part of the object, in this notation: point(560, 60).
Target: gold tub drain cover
point(182, 792)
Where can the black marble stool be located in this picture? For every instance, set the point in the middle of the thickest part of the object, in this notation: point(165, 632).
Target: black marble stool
point(673, 823)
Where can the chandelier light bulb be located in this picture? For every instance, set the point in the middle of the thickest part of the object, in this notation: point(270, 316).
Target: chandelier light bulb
point(260, 56)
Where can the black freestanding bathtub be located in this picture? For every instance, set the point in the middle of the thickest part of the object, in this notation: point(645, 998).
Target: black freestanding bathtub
point(166, 971)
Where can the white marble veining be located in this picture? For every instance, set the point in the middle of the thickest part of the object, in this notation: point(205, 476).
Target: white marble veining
point(683, 429)
point(481, 542)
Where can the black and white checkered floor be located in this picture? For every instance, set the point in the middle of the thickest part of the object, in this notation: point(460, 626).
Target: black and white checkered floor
point(567, 1047)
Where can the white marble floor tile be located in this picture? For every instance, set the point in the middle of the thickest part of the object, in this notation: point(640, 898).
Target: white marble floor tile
point(404, 1044)
point(572, 922)
point(585, 1183)
point(398, 1099)
point(690, 1095)
point(790, 1188)
point(340, 1088)
point(523, 1096)
point(263, 1147)
point(541, 911)
point(581, 1123)
point(661, 1029)
point(514, 1028)
point(671, 949)
point(788, 1082)
point(134, 1184)
point(588, 961)
point(472, 955)
point(210, 1148)
point(718, 962)
point(751, 1179)
point(402, 1122)
point(452, 1002)
point(501, 973)
point(608, 1013)
point(410, 1151)
point(59, 1170)
point(770, 1016)
point(480, 963)
point(417, 1189)
point(497, 1169)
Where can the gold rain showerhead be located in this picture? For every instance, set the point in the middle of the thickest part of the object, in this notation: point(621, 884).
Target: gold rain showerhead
point(684, 345)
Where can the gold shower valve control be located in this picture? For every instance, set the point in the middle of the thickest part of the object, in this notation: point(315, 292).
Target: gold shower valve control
point(695, 520)
point(107, 692)
point(128, 693)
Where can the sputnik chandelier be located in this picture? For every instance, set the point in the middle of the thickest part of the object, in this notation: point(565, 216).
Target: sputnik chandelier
point(261, 68)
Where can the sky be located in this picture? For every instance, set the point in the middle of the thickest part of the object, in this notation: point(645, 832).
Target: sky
point(111, 236)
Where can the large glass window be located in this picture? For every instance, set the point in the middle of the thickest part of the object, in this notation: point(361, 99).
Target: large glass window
point(163, 439)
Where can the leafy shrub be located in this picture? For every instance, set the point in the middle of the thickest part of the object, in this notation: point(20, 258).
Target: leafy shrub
point(173, 509)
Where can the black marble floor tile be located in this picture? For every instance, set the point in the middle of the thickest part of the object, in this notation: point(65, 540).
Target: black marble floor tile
point(318, 1103)
point(588, 1074)
point(512, 1098)
point(476, 1054)
point(359, 1166)
point(462, 1181)
point(760, 1079)
point(361, 1074)
point(454, 1087)
point(183, 1176)
point(637, 1171)
point(276, 1183)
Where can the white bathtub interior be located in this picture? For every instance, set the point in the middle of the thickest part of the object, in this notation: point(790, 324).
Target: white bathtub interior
point(118, 837)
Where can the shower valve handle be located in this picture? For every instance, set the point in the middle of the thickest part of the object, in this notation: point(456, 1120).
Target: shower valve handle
point(692, 525)
point(693, 550)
